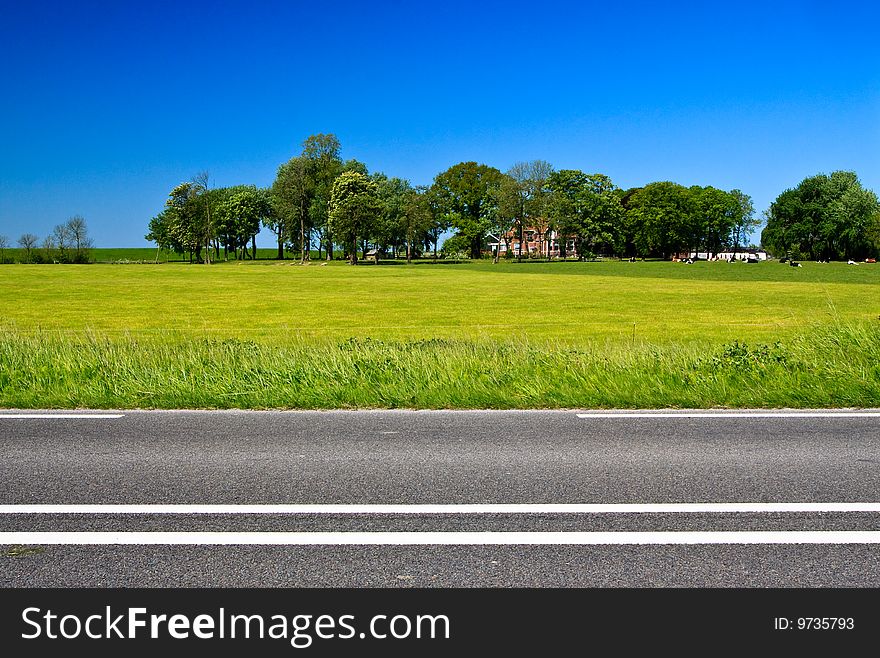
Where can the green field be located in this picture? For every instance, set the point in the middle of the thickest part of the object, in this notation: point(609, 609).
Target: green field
point(278, 334)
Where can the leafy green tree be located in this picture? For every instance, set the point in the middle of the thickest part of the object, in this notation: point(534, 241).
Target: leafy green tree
point(159, 231)
point(321, 151)
point(456, 246)
point(394, 195)
point(873, 233)
point(241, 214)
point(824, 217)
point(293, 192)
point(508, 217)
point(202, 209)
point(526, 202)
point(28, 242)
point(354, 209)
point(184, 220)
point(417, 219)
point(744, 221)
point(666, 218)
point(586, 207)
point(465, 195)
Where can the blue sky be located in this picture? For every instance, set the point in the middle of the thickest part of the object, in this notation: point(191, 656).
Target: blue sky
point(107, 105)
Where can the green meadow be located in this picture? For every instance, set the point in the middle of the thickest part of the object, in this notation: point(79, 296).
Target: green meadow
point(270, 334)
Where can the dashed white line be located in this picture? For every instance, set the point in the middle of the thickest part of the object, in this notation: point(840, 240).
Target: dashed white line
point(60, 416)
point(436, 538)
point(470, 509)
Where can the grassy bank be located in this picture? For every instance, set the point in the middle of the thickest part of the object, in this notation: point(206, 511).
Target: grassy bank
point(829, 365)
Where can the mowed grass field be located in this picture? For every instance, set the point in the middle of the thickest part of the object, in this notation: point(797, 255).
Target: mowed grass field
point(271, 334)
point(269, 301)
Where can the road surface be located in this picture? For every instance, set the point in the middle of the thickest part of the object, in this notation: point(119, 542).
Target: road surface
point(440, 499)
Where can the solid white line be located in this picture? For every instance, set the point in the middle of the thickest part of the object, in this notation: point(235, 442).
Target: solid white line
point(734, 414)
point(434, 538)
point(502, 508)
point(60, 416)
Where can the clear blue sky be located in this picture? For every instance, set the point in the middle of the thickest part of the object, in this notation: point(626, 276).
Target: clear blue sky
point(107, 105)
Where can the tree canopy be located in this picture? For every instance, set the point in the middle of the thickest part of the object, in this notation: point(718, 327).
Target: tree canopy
point(354, 210)
point(465, 195)
point(824, 217)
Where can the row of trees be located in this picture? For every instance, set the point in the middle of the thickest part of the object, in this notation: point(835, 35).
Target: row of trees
point(318, 200)
point(201, 222)
point(67, 243)
point(826, 217)
point(370, 210)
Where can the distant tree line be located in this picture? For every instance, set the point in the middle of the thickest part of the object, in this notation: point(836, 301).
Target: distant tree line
point(826, 217)
point(322, 203)
point(67, 243)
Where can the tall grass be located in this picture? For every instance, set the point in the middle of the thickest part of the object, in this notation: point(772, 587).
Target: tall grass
point(834, 364)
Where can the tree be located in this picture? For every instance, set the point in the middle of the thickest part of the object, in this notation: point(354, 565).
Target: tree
point(62, 239)
point(293, 192)
point(465, 195)
point(391, 227)
point(184, 219)
point(586, 207)
point(202, 201)
point(527, 200)
point(509, 214)
point(321, 151)
point(79, 238)
point(666, 219)
point(354, 209)
point(159, 231)
point(824, 217)
point(240, 214)
point(49, 248)
point(4, 245)
point(28, 242)
point(417, 219)
point(744, 221)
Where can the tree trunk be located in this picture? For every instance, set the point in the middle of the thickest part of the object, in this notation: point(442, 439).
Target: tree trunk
point(408, 251)
point(280, 245)
point(254, 244)
point(521, 243)
point(329, 249)
point(475, 248)
point(302, 238)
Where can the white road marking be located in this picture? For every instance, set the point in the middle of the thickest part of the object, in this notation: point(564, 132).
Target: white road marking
point(61, 416)
point(435, 538)
point(501, 508)
point(734, 414)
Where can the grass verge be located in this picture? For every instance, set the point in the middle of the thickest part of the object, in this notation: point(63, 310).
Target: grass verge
point(830, 365)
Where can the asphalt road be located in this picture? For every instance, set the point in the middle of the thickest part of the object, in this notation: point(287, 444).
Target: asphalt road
point(446, 458)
